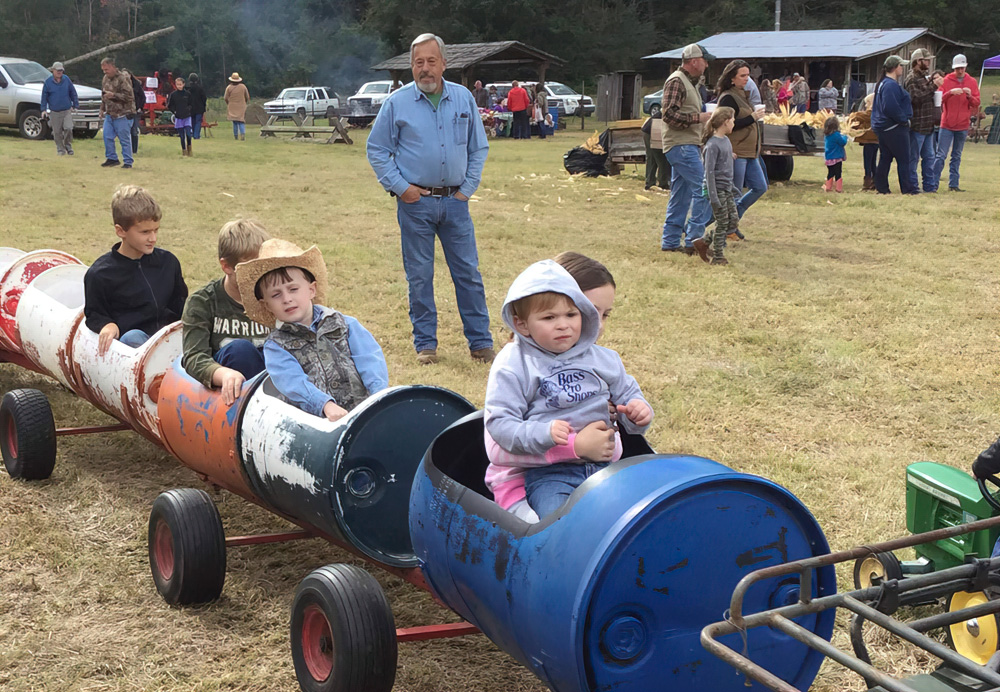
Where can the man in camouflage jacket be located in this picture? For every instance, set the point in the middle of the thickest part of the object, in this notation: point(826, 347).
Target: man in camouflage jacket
point(117, 104)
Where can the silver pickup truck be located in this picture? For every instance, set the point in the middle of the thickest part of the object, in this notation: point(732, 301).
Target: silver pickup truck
point(21, 95)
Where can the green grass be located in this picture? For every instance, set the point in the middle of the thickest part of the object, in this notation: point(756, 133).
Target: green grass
point(852, 335)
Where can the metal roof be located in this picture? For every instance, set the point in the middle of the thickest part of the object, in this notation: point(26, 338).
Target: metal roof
point(822, 43)
point(462, 55)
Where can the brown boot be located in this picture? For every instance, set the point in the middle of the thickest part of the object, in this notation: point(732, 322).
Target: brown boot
point(189, 150)
point(869, 184)
point(242, 137)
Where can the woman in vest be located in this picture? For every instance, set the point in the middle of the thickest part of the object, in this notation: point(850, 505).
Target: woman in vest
point(746, 135)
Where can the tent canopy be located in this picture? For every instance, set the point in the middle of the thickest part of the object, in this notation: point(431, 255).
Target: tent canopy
point(992, 63)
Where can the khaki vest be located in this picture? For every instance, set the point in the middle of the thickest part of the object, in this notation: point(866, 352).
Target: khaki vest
point(746, 142)
point(692, 104)
point(656, 129)
point(325, 357)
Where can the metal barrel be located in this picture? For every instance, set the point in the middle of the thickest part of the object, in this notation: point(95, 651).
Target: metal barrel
point(350, 478)
point(17, 271)
point(612, 591)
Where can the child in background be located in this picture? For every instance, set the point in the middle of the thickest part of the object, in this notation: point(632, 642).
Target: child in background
point(552, 381)
point(717, 151)
point(834, 143)
point(136, 289)
point(322, 361)
point(597, 441)
point(179, 103)
point(222, 346)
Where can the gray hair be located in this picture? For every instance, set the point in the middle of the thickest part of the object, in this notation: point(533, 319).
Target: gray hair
point(424, 38)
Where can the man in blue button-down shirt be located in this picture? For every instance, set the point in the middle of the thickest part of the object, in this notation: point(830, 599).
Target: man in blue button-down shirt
point(428, 147)
point(59, 98)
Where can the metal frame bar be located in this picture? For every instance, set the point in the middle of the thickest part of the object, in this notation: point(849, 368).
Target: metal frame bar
point(427, 632)
point(969, 577)
point(261, 539)
point(90, 429)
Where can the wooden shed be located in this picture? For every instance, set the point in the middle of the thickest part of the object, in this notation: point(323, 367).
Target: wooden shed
point(500, 60)
point(619, 96)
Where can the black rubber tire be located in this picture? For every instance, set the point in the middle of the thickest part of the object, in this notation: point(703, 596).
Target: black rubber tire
point(779, 168)
point(187, 547)
point(27, 435)
point(355, 646)
point(27, 122)
point(301, 112)
point(890, 567)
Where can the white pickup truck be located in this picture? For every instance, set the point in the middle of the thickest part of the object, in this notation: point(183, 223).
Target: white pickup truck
point(319, 102)
point(21, 96)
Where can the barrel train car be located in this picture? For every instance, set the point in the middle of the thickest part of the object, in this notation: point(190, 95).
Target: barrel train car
point(609, 593)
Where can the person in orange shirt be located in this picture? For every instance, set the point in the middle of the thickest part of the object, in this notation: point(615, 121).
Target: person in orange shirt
point(518, 104)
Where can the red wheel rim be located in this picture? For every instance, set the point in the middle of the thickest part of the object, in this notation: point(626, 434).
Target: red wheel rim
point(12, 437)
point(163, 550)
point(317, 643)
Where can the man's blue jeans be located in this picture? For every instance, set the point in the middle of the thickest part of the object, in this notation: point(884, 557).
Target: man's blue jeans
point(196, 124)
point(687, 178)
point(548, 487)
point(749, 173)
point(922, 151)
point(448, 219)
point(239, 128)
point(954, 140)
point(242, 356)
point(122, 129)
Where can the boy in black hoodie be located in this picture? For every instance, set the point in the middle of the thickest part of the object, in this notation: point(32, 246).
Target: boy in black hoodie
point(135, 289)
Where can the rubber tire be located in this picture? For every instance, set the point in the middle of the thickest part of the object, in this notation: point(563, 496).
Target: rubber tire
point(360, 625)
point(197, 547)
point(26, 415)
point(331, 112)
point(33, 113)
point(779, 168)
point(890, 566)
point(301, 112)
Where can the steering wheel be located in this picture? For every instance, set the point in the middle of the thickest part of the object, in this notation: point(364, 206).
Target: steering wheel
point(991, 499)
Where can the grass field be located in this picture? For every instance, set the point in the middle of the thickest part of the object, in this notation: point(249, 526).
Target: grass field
point(852, 335)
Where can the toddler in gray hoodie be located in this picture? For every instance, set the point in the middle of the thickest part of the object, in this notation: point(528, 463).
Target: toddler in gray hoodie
point(552, 381)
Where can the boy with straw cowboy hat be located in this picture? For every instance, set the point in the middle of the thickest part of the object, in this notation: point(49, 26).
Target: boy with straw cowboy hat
point(322, 361)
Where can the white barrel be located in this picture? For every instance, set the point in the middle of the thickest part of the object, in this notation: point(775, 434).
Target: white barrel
point(49, 312)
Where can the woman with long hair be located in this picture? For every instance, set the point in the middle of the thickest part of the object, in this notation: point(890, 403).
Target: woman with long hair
point(746, 135)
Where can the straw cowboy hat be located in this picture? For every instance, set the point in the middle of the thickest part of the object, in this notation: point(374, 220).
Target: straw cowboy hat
point(235, 77)
point(274, 254)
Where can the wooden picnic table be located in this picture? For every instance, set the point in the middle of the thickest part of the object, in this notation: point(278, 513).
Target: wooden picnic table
point(304, 127)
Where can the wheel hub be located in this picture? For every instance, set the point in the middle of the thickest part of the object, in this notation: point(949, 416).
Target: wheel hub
point(12, 437)
point(317, 643)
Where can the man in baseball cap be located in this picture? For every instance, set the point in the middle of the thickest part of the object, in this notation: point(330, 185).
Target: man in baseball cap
point(59, 98)
point(959, 102)
point(683, 115)
point(921, 89)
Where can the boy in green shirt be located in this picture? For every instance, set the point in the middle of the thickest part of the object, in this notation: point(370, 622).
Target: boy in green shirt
point(221, 344)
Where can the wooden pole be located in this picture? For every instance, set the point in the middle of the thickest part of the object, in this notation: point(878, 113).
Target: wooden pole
point(116, 46)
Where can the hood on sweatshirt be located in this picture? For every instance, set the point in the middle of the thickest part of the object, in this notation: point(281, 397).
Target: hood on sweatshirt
point(549, 276)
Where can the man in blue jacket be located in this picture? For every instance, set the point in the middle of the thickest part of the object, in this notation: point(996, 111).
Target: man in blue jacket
point(891, 113)
point(58, 101)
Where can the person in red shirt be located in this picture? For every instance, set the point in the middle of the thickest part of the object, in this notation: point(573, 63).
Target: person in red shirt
point(959, 102)
point(518, 104)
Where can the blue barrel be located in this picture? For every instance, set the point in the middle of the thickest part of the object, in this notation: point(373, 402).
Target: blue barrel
point(612, 591)
point(554, 112)
point(350, 479)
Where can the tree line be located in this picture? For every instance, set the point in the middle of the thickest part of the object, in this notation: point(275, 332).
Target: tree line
point(279, 43)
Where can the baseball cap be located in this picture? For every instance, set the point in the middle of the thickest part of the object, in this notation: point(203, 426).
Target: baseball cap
point(959, 61)
point(894, 61)
point(921, 54)
point(57, 66)
point(693, 51)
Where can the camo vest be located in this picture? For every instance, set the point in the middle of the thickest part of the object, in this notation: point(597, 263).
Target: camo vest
point(325, 356)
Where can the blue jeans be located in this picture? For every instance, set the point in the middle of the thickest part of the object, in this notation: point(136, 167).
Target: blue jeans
point(801, 108)
point(134, 338)
point(894, 144)
point(548, 487)
point(122, 129)
point(922, 151)
point(954, 140)
point(749, 173)
point(242, 356)
point(239, 129)
point(196, 124)
point(448, 219)
point(870, 154)
point(687, 177)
